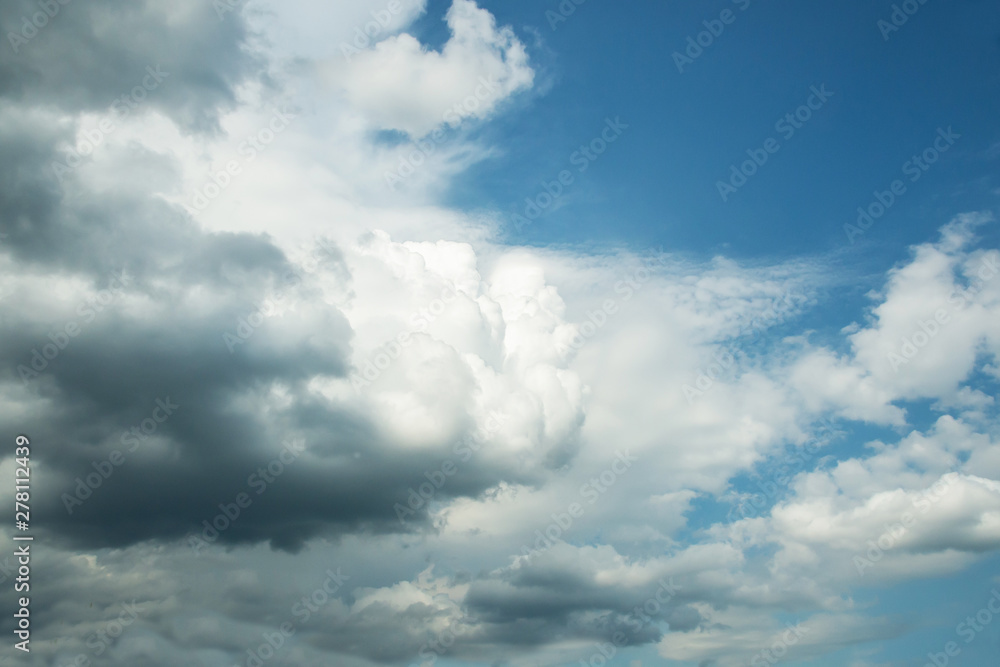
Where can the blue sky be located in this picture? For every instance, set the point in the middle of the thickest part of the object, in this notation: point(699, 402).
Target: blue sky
point(659, 184)
point(552, 313)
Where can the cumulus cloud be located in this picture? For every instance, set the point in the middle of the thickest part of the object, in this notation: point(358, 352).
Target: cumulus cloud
point(937, 316)
point(400, 85)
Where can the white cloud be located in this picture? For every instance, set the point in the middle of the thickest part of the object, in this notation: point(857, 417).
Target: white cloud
point(400, 85)
point(939, 311)
point(732, 640)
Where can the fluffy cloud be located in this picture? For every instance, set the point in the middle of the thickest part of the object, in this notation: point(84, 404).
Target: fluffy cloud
point(399, 85)
point(939, 313)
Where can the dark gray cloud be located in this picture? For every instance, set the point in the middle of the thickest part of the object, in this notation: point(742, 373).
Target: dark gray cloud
point(174, 290)
point(109, 378)
point(158, 340)
point(162, 336)
point(89, 54)
point(559, 593)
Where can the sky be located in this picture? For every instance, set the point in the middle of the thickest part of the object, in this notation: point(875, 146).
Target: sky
point(455, 332)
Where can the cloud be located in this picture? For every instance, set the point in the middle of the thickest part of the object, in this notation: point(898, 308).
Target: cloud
point(764, 641)
point(938, 313)
point(91, 53)
point(416, 363)
point(399, 85)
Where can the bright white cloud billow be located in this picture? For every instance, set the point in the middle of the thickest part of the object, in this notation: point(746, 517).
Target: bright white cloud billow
point(401, 85)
